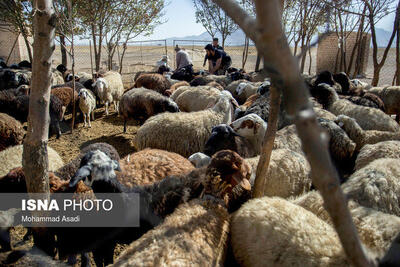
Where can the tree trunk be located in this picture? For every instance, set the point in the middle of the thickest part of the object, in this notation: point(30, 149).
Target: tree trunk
point(34, 157)
point(64, 59)
point(268, 143)
point(310, 57)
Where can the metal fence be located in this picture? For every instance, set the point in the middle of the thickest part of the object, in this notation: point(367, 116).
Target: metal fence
point(143, 55)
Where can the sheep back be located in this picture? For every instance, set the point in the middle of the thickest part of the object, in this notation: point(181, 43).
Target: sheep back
point(65, 95)
point(390, 96)
point(195, 234)
point(369, 153)
point(11, 131)
point(376, 186)
point(175, 86)
point(12, 158)
point(151, 165)
point(274, 232)
point(376, 229)
point(182, 133)
point(115, 85)
point(197, 99)
point(368, 118)
point(288, 174)
point(142, 103)
point(155, 82)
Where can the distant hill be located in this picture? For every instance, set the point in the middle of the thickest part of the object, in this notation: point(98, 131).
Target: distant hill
point(382, 38)
point(237, 38)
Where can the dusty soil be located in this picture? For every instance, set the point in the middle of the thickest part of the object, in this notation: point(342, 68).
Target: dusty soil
point(107, 129)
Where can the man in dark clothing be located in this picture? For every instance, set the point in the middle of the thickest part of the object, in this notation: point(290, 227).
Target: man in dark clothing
point(218, 60)
point(216, 46)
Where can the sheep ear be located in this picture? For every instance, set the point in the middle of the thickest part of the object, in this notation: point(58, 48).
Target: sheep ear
point(80, 175)
point(116, 165)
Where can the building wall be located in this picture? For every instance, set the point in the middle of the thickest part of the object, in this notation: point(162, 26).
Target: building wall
point(329, 56)
point(7, 40)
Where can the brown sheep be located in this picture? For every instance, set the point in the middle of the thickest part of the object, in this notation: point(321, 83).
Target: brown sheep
point(155, 82)
point(142, 103)
point(11, 131)
point(214, 84)
point(65, 95)
point(151, 165)
point(197, 232)
point(174, 87)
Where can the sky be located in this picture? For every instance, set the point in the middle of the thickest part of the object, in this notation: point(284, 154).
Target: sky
point(181, 22)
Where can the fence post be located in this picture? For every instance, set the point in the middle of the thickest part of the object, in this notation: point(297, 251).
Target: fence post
point(91, 60)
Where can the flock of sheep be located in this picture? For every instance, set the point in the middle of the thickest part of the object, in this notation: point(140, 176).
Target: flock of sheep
point(198, 148)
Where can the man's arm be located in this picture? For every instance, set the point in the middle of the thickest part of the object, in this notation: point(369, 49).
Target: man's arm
point(205, 60)
point(210, 66)
point(217, 64)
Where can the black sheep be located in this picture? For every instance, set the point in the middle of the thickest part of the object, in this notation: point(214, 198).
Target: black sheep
point(18, 108)
point(25, 64)
point(8, 79)
point(224, 137)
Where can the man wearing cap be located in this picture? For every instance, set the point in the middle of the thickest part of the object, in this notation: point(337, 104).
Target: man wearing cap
point(182, 58)
point(216, 46)
point(218, 60)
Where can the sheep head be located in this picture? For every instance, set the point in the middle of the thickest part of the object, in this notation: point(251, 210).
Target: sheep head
point(222, 137)
point(249, 126)
point(324, 94)
point(100, 84)
point(240, 88)
point(228, 179)
point(95, 166)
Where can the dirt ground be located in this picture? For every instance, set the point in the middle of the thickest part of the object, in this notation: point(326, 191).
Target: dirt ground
point(107, 129)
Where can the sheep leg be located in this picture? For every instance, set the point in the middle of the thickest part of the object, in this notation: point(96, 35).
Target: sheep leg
point(71, 259)
point(106, 108)
point(116, 105)
point(125, 122)
point(84, 119)
point(92, 113)
point(88, 117)
point(63, 109)
point(398, 118)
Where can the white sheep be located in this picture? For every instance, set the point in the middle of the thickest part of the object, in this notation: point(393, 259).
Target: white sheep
point(184, 133)
point(244, 90)
point(289, 173)
point(87, 104)
point(376, 186)
point(390, 96)
point(376, 229)
point(12, 158)
point(199, 159)
point(368, 118)
point(369, 153)
point(110, 89)
point(197, 99)
point(183, 89)
point(253, 128)
point(274, 232)
point(196, 234)
point(361, 137)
